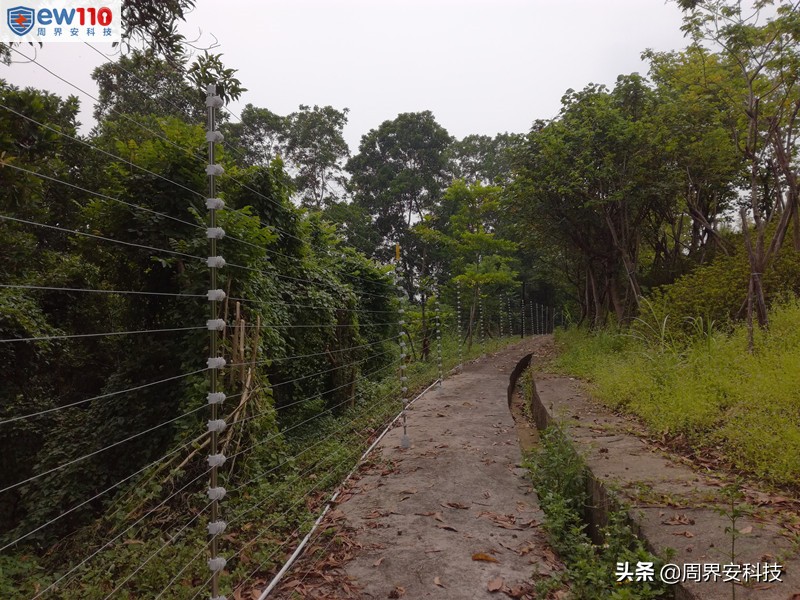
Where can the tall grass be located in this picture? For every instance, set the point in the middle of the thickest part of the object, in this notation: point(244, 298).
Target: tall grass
point(704, 386)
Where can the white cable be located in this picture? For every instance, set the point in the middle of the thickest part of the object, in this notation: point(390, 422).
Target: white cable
point(102, 397)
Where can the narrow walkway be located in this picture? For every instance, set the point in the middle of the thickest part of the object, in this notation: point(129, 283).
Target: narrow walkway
point(454, 516)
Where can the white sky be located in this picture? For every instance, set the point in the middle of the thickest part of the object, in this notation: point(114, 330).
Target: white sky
point(481, 66)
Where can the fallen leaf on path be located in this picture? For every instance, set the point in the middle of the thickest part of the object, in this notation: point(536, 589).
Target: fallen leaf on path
point(687, 534)
point(397, 592)
point(678, 520)
point(495, 585)
point(457, 505)
point(438, 582)
point(482, 556)
point(746, 530)
point(438, 517)
point(447, 527)
point(378, 562)
point(425, 514)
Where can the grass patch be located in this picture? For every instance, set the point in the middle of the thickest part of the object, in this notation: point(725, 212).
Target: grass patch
point(704, 387)
point(272, 502)
point(560, 477)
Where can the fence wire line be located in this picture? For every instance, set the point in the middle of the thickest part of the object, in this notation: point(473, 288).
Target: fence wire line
point(184, 111)
point(194, 155)
point(102, 397)
point(340, 428)
point(96, 496)
point(95, 335)
point(307, 421)
point(335, 495)
point(182, 254)
point(309, 519)
point(96, 452)
point(157, 552)
point(295, 477)
point(185, 375)
point(149, 210)
point(44, 288)
point(237, 517)
point(117, 537)
point(98, 149)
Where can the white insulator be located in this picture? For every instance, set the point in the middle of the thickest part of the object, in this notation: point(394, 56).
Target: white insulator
point(215, 137)
point(402, 323)
point(214, 170)
point(216, 363)
point(216, 398)
point(217, 426)
point(216, 325)
point(216, 494)
point(220, 598)
point(215, 233)
point(216, 295)
point(215, 102)
point(216, 527)
point(404, 379)
point(215, 203)
point(217, 564)
point(216, 460)
point(402, 356)
point(215, 262)
point(404, 390)
point(401, 311)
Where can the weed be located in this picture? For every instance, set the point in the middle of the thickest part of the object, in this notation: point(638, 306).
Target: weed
point(560, 477)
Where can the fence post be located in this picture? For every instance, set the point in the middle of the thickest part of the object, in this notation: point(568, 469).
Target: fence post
point(458, 329)
point(215, 363)
point(482, 323)
point(405, 443)
point(439, 336)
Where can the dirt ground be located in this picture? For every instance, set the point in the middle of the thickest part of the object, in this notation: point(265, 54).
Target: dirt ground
point(453, 517)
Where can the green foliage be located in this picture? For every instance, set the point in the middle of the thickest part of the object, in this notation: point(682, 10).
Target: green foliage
point(560, 477)
point(706, 388)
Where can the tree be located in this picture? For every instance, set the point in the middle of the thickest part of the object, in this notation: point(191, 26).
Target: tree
point(315, 149)
point(399, 173)
point(766, 98)
point(259, 135)
point(480, 158)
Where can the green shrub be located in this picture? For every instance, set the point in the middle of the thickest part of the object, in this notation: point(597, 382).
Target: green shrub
point(705, 387)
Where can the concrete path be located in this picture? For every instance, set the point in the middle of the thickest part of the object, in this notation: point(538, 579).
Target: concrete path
point(677, 503)
point(453, 517)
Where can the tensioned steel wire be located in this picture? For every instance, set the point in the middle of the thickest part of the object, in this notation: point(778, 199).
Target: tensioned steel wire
point(190, 413)
point(312, 281)
point(184, 111)
point(266, 529)
point(191, 153)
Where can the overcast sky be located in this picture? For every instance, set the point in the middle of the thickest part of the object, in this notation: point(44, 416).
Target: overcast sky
point(481, 66)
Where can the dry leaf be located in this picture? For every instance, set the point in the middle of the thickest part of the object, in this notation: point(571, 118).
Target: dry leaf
point(678, 520)
point(438, 582)
point(378, 562)
point(495, 585)
point(447, 527)
point(397, 592)
point(425, 514)
point(438, 517)
point(457, 505)
point(746, 530)
point(687, 534)
point(484, 557)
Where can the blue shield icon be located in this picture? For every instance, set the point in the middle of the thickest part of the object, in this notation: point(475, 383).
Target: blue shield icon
point(20, 19)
